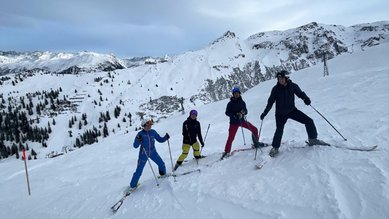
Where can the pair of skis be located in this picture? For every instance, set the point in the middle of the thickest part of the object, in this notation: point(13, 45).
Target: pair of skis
point(179, 174)
point(260, 164)
point(119, 203)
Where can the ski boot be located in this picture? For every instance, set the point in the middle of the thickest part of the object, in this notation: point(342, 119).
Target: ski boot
point(176, 166)
point(273, 152)
point(130, 189)
point(225, 155)
point(315, 141)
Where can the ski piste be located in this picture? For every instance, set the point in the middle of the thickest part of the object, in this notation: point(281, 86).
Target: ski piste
point(360, 148)
point(179, 174)
point(119, 203)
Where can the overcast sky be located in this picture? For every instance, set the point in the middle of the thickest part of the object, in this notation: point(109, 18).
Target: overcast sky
point(130, 28)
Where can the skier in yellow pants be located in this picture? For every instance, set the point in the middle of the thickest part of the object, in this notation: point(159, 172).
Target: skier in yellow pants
point(191, 130)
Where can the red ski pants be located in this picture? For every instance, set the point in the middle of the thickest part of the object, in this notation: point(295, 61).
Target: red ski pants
point(232, 132)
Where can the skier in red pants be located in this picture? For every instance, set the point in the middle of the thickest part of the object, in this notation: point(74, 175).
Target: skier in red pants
point(236, 110)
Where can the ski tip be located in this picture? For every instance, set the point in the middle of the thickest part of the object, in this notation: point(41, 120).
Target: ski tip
point(374, 147)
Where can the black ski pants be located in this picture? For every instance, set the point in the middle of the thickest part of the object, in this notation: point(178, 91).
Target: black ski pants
point(298, 116)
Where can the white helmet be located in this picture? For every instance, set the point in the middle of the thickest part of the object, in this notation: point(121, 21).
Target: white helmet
point(146, 121)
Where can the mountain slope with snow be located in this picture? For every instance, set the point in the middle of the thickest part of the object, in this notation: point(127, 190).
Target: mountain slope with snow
point(302, 182)
point(61, 63)
point(212, 70)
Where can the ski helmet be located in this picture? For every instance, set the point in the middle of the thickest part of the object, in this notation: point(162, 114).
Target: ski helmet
point(193, 112)
point(146, 121)
point(235, 90)
point(282, 74)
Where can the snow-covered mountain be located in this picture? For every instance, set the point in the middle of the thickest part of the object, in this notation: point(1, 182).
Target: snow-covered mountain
point(161, 87)
point(59, 63)
point(303, 182)
point(226, 61)
point(229, 61)
point(307, 44)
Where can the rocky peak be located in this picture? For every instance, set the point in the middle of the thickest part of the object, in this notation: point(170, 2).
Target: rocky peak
point(226, 35)
point(310, 26)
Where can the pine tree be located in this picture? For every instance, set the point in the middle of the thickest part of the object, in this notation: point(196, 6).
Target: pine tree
point(105, 130)
point(33, 153)
point(78, 142)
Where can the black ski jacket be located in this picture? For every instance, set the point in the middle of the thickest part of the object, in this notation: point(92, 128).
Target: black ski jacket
point(235, 106)
point(191, 129)
point(284, 98)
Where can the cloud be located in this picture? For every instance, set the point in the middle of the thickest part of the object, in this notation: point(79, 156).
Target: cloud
point(141, 27)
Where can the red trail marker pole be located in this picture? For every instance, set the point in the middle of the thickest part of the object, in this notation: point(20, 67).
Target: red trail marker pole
point(25, 167)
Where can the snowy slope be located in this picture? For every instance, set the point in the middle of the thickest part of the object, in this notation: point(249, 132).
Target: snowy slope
point(318, 182)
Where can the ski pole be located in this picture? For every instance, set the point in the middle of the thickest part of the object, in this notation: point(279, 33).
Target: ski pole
point(155, 177)
point(171, 160)
point(206, 133)
point(244, 140)
point(259, 135)
point(329, 123)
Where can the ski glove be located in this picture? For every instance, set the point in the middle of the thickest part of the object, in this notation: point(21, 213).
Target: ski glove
point(243, 112)
point(167, 136)
point(307, 101)
point(262, 116)
point(139, 138)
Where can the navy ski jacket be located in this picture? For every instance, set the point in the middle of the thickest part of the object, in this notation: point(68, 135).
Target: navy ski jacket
point(235, 106)
point(284, 98)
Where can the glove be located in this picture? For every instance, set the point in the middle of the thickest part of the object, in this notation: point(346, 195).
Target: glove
point(307, 101)
point(262, 116)
point(240, 115)
point(202, 145)
point(243, 112)
point(139, 138)
point(167, 136)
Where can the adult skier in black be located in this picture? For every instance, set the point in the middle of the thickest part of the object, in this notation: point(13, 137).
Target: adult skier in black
point(283, 95)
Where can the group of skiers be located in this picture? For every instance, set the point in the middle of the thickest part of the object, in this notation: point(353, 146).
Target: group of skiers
point(283, 94)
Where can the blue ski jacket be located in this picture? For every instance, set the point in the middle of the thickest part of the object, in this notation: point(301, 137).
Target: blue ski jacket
point(148, 141)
